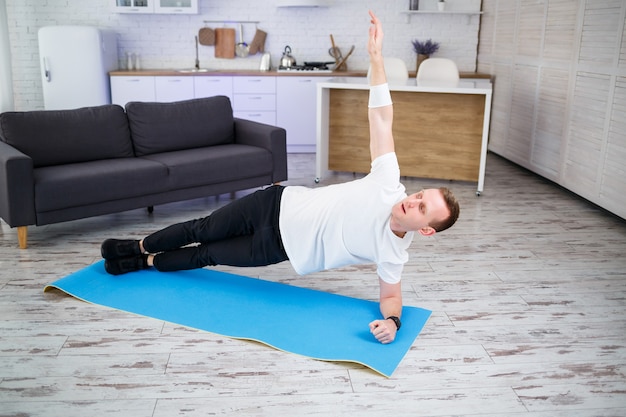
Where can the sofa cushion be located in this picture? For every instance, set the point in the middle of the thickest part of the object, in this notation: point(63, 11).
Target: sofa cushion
point(57, 137)
point(215, 164)
point(75, 185)
point(165, 127)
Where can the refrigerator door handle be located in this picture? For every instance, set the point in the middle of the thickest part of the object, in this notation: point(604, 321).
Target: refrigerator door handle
point(46, 71)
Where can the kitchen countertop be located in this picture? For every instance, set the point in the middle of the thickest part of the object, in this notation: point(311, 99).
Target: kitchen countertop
point(248, 73)
point(257, 73)
point(463, 86)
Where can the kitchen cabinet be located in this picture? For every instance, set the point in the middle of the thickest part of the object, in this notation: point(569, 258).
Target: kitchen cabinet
point(133, 6)
point(213, 86)
point(132, 88)
point(176, 6)
point(156, 6)
point(304, 3)
point(169, 89)
point(254, 98)
point(296, 111)
point(150, 88)
point(285, 101)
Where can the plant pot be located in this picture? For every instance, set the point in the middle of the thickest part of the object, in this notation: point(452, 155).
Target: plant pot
point(420, 59)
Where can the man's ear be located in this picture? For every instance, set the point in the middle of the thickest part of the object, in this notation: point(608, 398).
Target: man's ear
point(427, 231)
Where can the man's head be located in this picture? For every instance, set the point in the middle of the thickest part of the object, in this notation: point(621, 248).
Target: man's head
point(426, 212)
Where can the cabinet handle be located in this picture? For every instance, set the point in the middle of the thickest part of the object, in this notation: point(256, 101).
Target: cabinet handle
point(46, 69)
point(173, 81)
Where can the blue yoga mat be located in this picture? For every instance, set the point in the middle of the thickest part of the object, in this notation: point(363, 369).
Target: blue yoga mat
point(307, 322)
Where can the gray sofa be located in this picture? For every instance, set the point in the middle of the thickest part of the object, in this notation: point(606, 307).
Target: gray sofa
point(63, 165)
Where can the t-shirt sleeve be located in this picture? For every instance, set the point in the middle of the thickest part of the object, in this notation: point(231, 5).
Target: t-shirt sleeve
point(390, 273)
point(385, 169)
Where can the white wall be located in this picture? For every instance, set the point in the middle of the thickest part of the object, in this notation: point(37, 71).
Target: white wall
point(167, 41)
point(6, 87)
point(559, 106)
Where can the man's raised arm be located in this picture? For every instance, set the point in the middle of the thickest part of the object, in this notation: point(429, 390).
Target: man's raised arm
point(381, 142)
point(380, 107)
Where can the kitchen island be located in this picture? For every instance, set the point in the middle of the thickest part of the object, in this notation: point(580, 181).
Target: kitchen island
point(439, 131)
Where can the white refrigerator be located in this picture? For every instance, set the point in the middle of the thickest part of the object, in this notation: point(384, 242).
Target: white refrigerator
point(75, 62)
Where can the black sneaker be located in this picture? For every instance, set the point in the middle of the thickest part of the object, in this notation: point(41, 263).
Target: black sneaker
point(115, 248)
point(123, 265)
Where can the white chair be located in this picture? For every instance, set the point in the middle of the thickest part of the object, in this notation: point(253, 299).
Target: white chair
point(396, 71)
point(438, 71)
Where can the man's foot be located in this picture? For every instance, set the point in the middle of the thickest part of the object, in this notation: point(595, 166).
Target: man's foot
point(115, 248)
point(123, 265)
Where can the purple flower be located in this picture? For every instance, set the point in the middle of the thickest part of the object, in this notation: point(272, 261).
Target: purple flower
point(425, 48)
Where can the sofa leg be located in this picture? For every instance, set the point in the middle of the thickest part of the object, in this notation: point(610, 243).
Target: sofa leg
point(22, 236)
point(150, 209)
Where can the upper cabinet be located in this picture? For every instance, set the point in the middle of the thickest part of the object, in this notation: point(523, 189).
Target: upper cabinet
point(133, 6)
point(156, 6)
point(303, 3)
point(176, 6)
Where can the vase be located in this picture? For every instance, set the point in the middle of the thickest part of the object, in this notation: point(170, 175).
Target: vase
point(420, 59)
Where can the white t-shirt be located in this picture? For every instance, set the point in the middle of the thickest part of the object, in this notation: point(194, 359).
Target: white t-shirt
point(346, 224)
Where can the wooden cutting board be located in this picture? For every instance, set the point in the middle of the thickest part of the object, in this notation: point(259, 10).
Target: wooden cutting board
point(225, 43)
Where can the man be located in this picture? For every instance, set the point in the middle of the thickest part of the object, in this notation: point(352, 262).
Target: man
point(369, 220)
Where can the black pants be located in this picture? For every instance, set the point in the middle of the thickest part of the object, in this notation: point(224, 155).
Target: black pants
point(242, 233)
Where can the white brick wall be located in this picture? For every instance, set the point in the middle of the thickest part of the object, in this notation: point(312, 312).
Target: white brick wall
point(167, 41)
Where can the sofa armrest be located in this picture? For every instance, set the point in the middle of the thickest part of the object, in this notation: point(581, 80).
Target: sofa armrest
point(17, 187)
point(272, 138)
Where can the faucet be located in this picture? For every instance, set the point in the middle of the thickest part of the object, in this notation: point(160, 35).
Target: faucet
point(197, 60)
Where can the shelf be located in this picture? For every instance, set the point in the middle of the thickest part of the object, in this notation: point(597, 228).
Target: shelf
point(467, 13)
point(229, 22)
point(232, 22)
point(443, 12)
point(303, 3)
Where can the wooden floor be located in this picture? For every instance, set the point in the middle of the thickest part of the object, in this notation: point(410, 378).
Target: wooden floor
point(528, 293)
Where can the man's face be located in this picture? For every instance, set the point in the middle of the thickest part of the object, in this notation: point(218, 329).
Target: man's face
point(417, 211)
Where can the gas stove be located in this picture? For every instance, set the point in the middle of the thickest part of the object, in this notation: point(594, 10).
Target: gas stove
point(321, 67)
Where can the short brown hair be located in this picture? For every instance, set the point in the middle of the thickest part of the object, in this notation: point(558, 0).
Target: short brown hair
point(453, 208)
